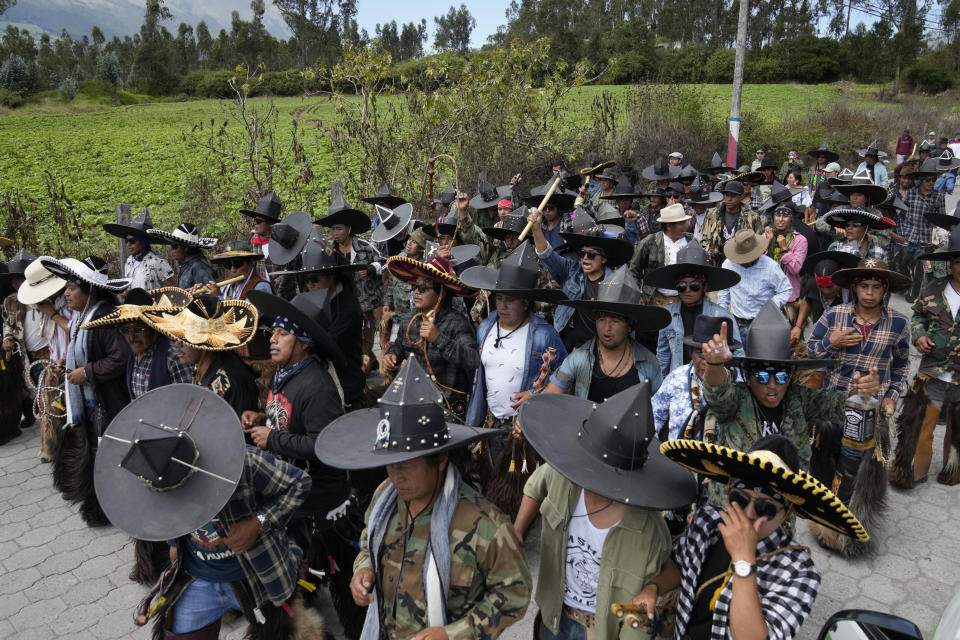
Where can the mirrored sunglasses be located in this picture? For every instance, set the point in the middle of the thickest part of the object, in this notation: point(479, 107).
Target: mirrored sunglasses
point(693, 286)
point(763, 377)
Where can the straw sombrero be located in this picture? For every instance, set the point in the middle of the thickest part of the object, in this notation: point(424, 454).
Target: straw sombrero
point(139, 301)
point(439, 270)
point(810, 498)
point(207, 323)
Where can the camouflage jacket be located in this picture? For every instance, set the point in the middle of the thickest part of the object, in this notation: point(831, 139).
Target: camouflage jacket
point(369, 287)
point(649, 255)
point(490, 582)
point(739, 425)
point(932, 318)
point(492, 251)
point(713, 237)
point(398, 297)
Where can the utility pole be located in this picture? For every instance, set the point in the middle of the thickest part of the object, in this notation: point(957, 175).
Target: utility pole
point(733, 139)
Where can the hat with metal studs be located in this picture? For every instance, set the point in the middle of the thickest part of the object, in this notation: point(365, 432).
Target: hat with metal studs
point(488, 195)
point(410, 423)
point(517, 276)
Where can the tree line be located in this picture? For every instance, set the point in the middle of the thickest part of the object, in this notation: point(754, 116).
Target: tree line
point(624, 41)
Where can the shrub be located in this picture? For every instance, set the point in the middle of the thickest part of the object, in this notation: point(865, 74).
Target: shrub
point(67, 89)
point(16, 74)
point(10, 99)
point(719, 67)
point(108, 69)
point(927, 76)
point(207, 84)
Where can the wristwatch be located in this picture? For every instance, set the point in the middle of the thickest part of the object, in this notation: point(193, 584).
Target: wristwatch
point(743, 568)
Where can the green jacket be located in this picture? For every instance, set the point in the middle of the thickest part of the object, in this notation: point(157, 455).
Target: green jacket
point(492, 250)
point(633, 553)
point(397, 297)
point(739, 427)
point(489, 579)
point(649, 255)
point(932, 318)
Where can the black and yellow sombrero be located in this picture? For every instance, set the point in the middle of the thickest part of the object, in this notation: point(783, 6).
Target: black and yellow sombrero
point(138, 301)
point(753, 177)
point(206, 323)
point(810, 498)
point(438, 269)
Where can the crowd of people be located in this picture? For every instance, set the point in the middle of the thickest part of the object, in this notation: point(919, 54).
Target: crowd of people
point(665, 367)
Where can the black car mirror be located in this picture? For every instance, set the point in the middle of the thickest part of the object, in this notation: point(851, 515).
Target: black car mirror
point(857, 624)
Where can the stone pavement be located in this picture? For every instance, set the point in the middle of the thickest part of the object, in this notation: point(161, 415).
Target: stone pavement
point(61, 579)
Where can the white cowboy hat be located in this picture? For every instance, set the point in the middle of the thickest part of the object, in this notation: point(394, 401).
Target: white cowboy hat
point(39, 284)
point(673, 213)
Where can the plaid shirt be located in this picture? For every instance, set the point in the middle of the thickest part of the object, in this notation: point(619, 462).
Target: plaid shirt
point(140, 370)
point(787, 580)
point(913, 225)
point(887, 348)
point(274, 489)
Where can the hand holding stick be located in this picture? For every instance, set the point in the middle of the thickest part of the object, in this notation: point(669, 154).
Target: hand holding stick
point(543, 203)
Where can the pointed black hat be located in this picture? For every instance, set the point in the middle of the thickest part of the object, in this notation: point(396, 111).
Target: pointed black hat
point(385, 198)
point(488, 195)
point(289, 237)
point(319, 257)
point(138, 225)
point(391, 221)
point(518, 276)
point(513, 224)
point(692, 259)
point(769, 344)
point(342, 213)
point(621, 294)
point(268, 208)
point(717, 165)
point(661, 170)
point(861, 182)
point(824, 149)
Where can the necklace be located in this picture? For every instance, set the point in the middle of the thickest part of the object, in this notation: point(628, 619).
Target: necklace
point(862, 320)
point(501, 338)
point(623, 354)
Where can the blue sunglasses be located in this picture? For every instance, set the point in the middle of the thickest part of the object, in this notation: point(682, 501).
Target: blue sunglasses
point(763, 377)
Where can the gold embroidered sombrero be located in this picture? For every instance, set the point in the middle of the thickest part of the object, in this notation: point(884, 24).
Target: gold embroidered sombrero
point(139, 301)
point(810, 498)
point(207, 323)
point(439, 270)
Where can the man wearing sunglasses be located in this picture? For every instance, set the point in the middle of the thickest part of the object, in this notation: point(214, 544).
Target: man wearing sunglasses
point(145, 269)
point(854, 225)
point(767, 402)
point(237, 261)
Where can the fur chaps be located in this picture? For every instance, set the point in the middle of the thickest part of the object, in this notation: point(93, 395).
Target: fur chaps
point(950, 474)
point(73, 466)
point(503, 482)
point(149, 561)
point(908, 433)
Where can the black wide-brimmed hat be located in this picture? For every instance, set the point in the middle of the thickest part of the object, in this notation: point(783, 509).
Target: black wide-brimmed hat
point(894, 203)
point(837, 259)
point(829, 194)
point(779, 194)
point(186, 234)
point(621, 294)
point(385, 198)
point(562, 198)
point(844, 176)
point(872, 268)
point(169, 462)
point(862, 183)
point(446, 225)
point(488, 195)
point(942, 220)
point(717, 166)
point(139, 226)
point(769, 344)
point(513, 224)
point(623, 189)
point(701, 193)
point(692, 259)
point(18, 264)
point(618, 251)
point(268, 208)
point(824, 149)
point(319, 257)
point(459, 254)
point(309, 310)
point(841, 216)
point(661, 170)
point(705, 327)
point(288, 238)
point(91, 270)
point(687, 175)
point(609, 448)
point(767, 163)
point(409, 423)
point(518, 276)
point(206, 323)
point(447, 196)
point(342, 213)
point(391, 221)
point(873, 149)
point(236, 249)
point(946, 161)
point(947, 253)
point(762, 467)
point(929, 168)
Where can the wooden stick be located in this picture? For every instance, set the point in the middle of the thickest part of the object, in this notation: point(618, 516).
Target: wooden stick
point(543, 203)
point(230, 281)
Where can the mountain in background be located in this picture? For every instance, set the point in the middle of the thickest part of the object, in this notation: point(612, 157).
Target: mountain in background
point(123, 17)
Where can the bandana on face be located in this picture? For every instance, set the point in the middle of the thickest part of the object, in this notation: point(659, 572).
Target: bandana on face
point(291, 327)
point(824, 281)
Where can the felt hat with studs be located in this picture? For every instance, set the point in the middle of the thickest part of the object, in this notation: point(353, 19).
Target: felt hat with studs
point(873, 149)
point(946, 161)
point(391, 221)
point(385, 198)
point(763, 467)
point(562, 198)
point(139, 226)
point(169, 462)
point(488, 195)
point(824, 150)
point(862, 183)
point(949, 252)
point(38, 284)
point(621, 294)
point(661, 170)
point(206, 323)
point(769, 344)
point(717, 165)
point(609, 448)
point(409, 424)
point(691, 259)
point(186, 234)
point(319, 257)
point(289, 237)
point(518, 276)
point(701, 193)
point(340, 212)
point(137, 301)
point(268, 208)
point(872, 268)
point(513, 224)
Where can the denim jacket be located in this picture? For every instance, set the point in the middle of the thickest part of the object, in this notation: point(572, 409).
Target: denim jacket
point(577, 369)
point(540, 336)
point(568, 273)
point(670, 343)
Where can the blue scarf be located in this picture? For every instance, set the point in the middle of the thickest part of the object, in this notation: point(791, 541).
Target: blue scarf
point(79, 397)
point(283, 374)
